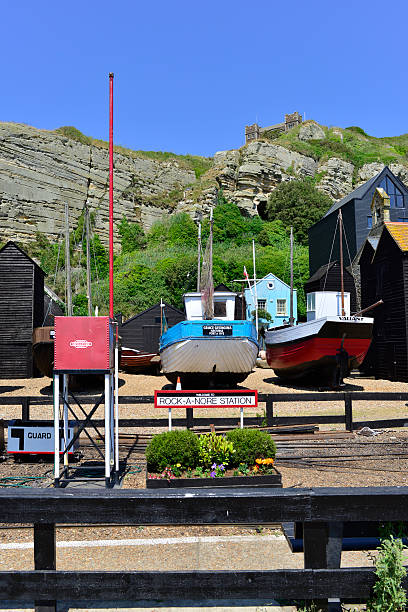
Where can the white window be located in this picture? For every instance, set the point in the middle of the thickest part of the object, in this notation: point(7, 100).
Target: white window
point(262, 304)
point(281, 307)
point(311, 302)
point(271, 285)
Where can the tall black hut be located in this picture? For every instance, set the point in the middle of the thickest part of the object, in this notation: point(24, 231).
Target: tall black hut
point(384, 275)
point(142, 332)
point(357, 219)
point(21, 309)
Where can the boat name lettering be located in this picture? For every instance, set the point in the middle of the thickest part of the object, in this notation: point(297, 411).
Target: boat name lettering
point(217, 330)
point(351, 318)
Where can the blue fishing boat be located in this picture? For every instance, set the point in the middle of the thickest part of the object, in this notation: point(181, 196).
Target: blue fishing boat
point(219, 351)
point(211, 347)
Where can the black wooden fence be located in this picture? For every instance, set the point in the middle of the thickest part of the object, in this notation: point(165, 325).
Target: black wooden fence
point(268, 400)
point(322, 511)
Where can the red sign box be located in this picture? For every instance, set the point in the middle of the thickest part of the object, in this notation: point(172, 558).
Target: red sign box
point(83, 343)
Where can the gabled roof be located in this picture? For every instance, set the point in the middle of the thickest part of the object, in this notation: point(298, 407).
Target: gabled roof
point(152, 308)
point(399, 231)
point(267, 277)
point(358, 193)
point(11, 243)
point(323, 270)
point(361, 191)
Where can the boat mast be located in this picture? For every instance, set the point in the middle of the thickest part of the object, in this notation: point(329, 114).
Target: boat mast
point(341, 262)
point(68, 263)
point(88, 263)
point(255, 290)
point(199, 258)
point(291, 318)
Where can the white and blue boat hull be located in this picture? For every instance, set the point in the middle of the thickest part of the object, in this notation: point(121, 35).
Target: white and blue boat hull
point(222, 352)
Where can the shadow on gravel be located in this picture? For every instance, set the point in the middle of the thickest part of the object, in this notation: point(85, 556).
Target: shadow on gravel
point(8, 389)
point(277, 382)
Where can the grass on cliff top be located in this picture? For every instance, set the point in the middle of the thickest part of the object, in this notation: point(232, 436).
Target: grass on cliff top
point(351, 144)
point(190, 162)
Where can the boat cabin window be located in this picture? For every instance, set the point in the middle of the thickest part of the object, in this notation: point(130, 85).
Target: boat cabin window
point(220, 309)
point(369, 221)
point(311, 302)
point(281, 307)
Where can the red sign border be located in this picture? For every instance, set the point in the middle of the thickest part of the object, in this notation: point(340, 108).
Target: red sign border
point(184, 391)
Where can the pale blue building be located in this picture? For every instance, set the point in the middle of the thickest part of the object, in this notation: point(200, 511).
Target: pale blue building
point(274, 297)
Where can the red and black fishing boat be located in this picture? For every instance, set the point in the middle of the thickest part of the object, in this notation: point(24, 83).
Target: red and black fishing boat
point(321, 351)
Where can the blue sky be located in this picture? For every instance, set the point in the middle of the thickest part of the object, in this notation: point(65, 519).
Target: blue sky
point(189, 75)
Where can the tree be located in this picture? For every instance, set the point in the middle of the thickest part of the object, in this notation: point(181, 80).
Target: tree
point(132, 236)
point(182, 230)
point(273, 233)
point(298, 203)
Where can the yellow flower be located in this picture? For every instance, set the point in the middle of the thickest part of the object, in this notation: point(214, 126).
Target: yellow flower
point(258, 461)
point(256, 468)
point(178, 464)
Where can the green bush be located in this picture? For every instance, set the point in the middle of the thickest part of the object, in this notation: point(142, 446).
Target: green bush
point(214, 449)
point(172, 447)
point(389, 594)
point(251, 444)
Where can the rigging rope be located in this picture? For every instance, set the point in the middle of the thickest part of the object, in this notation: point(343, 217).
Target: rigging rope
point(331, 252)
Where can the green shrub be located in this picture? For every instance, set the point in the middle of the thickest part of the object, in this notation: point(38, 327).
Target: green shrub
point(389, 594)
point(214, 449)
point(251, 444)
point(172, 447)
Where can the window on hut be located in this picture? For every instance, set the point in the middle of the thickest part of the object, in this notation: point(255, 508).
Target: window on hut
point(262, 304)
point(396, 196)
point(220, 309)
point(281, 307)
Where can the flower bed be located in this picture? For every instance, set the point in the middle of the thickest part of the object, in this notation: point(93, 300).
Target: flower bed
point(242, 458)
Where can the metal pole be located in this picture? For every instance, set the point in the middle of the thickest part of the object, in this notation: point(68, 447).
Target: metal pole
point(255, 290)
point(56, 430)
point(341, 262)
point(242, 417)
point(117, 405)
point(170, 418)
point(65, 396)
point(68, 263)
point(199, 258)
point(291, 319)
point(111, 195)
point(88, 264)
point(107, 429)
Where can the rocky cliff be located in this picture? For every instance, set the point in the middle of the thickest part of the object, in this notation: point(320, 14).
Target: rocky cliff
point(40, 170)
point(248, 175)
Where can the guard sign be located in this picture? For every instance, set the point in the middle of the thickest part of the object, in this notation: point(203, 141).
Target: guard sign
point(34, 437)
point(206, 399)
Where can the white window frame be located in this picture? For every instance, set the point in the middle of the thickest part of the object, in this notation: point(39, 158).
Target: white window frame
point(262, 301)
point(281, 312)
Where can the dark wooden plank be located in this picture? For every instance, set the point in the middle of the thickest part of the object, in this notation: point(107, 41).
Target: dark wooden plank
point(25, 408)
point(348, 412)
point(196, 506)
point(45, 556)
point(352, 583)
point(269, 411)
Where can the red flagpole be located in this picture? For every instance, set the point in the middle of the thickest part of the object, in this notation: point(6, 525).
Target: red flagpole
point(111, 195)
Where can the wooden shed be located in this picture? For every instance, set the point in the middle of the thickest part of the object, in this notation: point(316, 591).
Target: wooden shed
point(384, 275)
point(21, 309)
point(328, 278)
point(142, 332)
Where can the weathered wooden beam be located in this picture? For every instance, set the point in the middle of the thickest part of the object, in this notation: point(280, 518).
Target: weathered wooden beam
point(352, 583)
point(203, 506)
point(45, 556)
point(348, 412)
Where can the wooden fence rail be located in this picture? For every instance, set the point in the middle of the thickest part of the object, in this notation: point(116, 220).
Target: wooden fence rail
point(269, 399)
point(322, 511)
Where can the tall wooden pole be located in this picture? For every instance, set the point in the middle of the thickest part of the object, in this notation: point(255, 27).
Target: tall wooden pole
point(291, 318)
point(111, 195)
point(199, 258)
point(255, 289)
point(88, 263)
point(341, 262)
point(68, 263)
